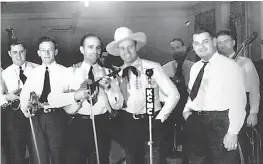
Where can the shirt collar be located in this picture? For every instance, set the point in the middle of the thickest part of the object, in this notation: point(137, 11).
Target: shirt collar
point(213, 58)
point(231, 55)
point(51, 66)
point(137, 64)
point(17, 67)
point(87, 66)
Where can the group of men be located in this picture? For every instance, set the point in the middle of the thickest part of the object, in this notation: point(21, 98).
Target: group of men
point(72, 98)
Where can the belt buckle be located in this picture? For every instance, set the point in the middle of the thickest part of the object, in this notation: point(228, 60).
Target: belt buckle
point(200, 113)
point(47, 110)
point(135, 117)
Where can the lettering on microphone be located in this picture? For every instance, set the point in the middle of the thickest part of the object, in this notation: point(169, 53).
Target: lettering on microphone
point(150, 101)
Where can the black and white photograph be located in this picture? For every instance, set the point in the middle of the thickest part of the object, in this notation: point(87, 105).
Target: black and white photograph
point(131, 82)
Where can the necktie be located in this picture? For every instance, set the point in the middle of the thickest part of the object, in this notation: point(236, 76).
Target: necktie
point(46, 87)
point(92, 88)
point(197, 82)
point(179, 70)
point(126, 71)
point(22, 76)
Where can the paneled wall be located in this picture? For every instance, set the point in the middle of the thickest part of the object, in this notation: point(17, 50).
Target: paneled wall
point(160, 26)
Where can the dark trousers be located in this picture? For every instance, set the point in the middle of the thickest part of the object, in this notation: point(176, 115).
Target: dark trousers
point(16, 134)
point(133, 134)
point(79, 142)
point(204, 134)
point(49, 130)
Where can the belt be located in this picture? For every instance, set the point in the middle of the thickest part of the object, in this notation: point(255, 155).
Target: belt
point(49, 110)
point(139, 116)
point(209, 112)
point(88, 117)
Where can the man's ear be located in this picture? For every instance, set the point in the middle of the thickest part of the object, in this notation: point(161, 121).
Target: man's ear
point(56, 52)
point(81, 49)
point(234, 43)
point(9, 53)
point(38, 52)
point(214, 40)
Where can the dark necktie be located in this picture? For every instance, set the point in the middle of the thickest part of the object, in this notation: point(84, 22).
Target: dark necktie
point(46, 88)
point(22, 76)
point(92, 87)
point(179, 69)
point(197, 82)
point(125, 72)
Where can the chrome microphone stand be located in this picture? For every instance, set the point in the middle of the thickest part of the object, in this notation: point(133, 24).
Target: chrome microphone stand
point(94, 126)
point(150, 109)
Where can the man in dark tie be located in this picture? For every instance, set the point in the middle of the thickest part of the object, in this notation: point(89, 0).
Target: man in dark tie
point(132, 118)
point(215, 110)
point(15, 126)
point(80, 136)
point(49, 121)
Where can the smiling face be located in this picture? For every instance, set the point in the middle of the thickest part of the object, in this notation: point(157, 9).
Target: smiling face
point(17, 54)
point(204, 45)
point(91, 49)
point(225, 44)
point(127, 50)
point(47, 52)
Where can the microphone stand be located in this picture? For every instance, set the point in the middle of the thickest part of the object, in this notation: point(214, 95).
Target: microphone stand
point(32, 94)
point(150, 110)
point(93, 125)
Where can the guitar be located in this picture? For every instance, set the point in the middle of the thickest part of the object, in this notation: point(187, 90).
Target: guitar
point(74, 108)
point(244, 44)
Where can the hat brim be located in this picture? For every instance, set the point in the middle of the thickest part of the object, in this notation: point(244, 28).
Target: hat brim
point(139, 37)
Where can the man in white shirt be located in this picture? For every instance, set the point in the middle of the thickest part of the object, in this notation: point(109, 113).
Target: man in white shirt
point(15, 125)
point(225, 46)
point(132, 118)
point(215, 110)
point(49, 122)
point(79, 140)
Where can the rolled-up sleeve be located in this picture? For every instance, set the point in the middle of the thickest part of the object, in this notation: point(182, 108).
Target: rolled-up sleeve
point(169, 89)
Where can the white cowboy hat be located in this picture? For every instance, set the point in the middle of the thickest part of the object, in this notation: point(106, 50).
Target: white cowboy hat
point(124, 33)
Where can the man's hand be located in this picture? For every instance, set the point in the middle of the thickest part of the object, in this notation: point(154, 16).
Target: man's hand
point(81, 94)
point(252, 119)
point(186, 114)
point(105, 82)
point(12, 96)
point(76, 65)
point(230, 141)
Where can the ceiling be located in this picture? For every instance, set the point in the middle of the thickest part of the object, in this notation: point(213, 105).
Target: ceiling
point(95, 9)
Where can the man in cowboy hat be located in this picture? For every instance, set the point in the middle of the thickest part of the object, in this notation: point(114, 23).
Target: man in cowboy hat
point(132, 117)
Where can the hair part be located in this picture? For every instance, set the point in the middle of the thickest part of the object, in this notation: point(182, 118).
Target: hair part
point(203, 30)
point(47, 39)
point(14, 42)
point(87, 36)
point(177, 39)
point(226, 32)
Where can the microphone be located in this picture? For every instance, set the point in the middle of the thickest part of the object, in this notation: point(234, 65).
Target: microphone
point(149, 72)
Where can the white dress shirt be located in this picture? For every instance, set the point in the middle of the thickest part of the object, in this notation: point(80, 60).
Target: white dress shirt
point(251, 82)
point(222, 88)
point(10, 77)
point(170, 69)
point(58, 75)
point(2, 90)
point(106, 98)
point(136, 99)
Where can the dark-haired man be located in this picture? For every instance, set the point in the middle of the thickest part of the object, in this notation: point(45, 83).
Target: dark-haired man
point(179, 71)
point(16, 126)
point(79, 141)
point(215, 110)
point(225, 46)
point(49, 121)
